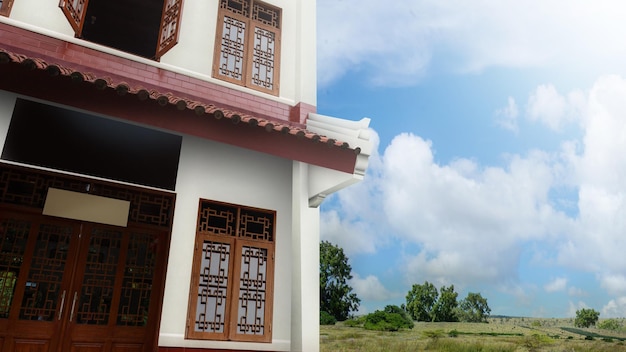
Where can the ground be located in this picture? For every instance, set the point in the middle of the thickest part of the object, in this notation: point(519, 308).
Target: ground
point(500, 334)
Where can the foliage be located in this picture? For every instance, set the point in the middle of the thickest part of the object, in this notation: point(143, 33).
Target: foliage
point(336, 296)
point(387, 320)
point(610, 324)
point(327, 319)
point(473, 309)
point(353, 323)
point(420, 301)
point(444, 308)
point(586, 317)
point(403, 313)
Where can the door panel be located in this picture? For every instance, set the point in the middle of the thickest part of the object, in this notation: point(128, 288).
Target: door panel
point(100, 261)
point(67, 286)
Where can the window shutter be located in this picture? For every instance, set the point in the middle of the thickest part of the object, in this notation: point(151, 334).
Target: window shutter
point(212, 283)
point(75, 11)
point(170, 25)
point(253, 292)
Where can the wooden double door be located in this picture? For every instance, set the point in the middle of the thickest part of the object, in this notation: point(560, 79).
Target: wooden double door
point(76, 286)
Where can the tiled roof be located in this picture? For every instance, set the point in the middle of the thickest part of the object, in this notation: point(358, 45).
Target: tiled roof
point(102, 82)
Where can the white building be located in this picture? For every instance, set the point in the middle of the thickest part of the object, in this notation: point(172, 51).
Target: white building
point(161, 170)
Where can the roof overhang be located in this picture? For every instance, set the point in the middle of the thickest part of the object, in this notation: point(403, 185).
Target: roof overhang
point(69, 84)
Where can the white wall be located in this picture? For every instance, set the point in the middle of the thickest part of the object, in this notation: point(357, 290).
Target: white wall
point(219, 172)
point(193, 55)
point(223, 173)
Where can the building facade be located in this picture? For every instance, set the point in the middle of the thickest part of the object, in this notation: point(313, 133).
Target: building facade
point(161, 171)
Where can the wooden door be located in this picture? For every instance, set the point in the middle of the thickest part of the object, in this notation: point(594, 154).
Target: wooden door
point(83, 287)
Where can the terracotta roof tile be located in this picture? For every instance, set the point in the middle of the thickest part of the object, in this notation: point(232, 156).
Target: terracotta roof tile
point(167, 98)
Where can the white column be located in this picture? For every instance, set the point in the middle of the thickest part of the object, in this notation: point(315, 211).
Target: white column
point(305, 328)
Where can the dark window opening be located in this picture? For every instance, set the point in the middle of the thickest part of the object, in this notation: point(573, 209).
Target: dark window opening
point(68, 140)
point(127, 25)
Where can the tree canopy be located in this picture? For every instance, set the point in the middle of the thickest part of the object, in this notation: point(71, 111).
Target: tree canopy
point(586, 318)
point(444, 308)
point(425, 303)
point(473, 308)
point(336, 296)
point(420, 301)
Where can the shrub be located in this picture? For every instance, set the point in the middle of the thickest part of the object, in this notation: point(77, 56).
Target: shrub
point(384, 321)
point(453, 333)
point(610, 324)
point(352, 323)
point(327, 319)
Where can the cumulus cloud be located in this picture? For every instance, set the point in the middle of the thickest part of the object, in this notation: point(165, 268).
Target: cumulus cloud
point(396, 43)
point(558, 284)
point(615, 308)
point(554, 110)
point(371, 289)
point(506, 117)
point(465, 223)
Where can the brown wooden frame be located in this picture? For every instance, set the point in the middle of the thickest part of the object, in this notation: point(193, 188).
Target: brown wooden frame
point(248, 48)
point(168, 30)
point(5, 7)
point(236, 244)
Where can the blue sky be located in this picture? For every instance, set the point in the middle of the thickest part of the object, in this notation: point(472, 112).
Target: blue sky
point(500, 164)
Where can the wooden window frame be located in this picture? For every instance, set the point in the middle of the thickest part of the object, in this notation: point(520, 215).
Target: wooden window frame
point(236, 243)
point(169, 29)
point(251, 25)
point(5, 7)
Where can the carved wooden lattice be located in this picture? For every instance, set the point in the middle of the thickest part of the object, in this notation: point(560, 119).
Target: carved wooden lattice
point(247, 49)
point(138, 276)
point(217, 218)
point(46, 273)
point(75, 10)
point(97, 292)
point(233, 269)
point(21, 186)
point(232, 52)
point(13, 238)
point(263, 59)
point(212, 304)
point(266, 14)
point(252, 291)
point(170, 23)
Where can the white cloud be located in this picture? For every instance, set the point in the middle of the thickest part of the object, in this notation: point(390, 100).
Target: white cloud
point(506, 117)
point(558, 284)
point(370, 288)
point(554, 110)
point(615, 308)
point(573, 307)
point(615, 284)
point(396, 42)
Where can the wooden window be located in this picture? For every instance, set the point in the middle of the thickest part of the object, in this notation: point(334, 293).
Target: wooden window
point(5, 7)
point(231, 295)
point(128, 26)
point(247, 47)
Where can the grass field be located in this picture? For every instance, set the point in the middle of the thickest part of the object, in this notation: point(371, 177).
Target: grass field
point(500, 334)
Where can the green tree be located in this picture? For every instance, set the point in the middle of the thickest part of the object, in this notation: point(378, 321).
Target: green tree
point(420, 301)
point(586, 318)
point(336, 296)
point(393, 318)
point(445, 307)
point(473, 308)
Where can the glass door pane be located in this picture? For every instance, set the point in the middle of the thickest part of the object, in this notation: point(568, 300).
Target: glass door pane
point(48, 264)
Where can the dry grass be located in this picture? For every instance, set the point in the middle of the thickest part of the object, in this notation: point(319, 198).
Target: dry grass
point(501, 335)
